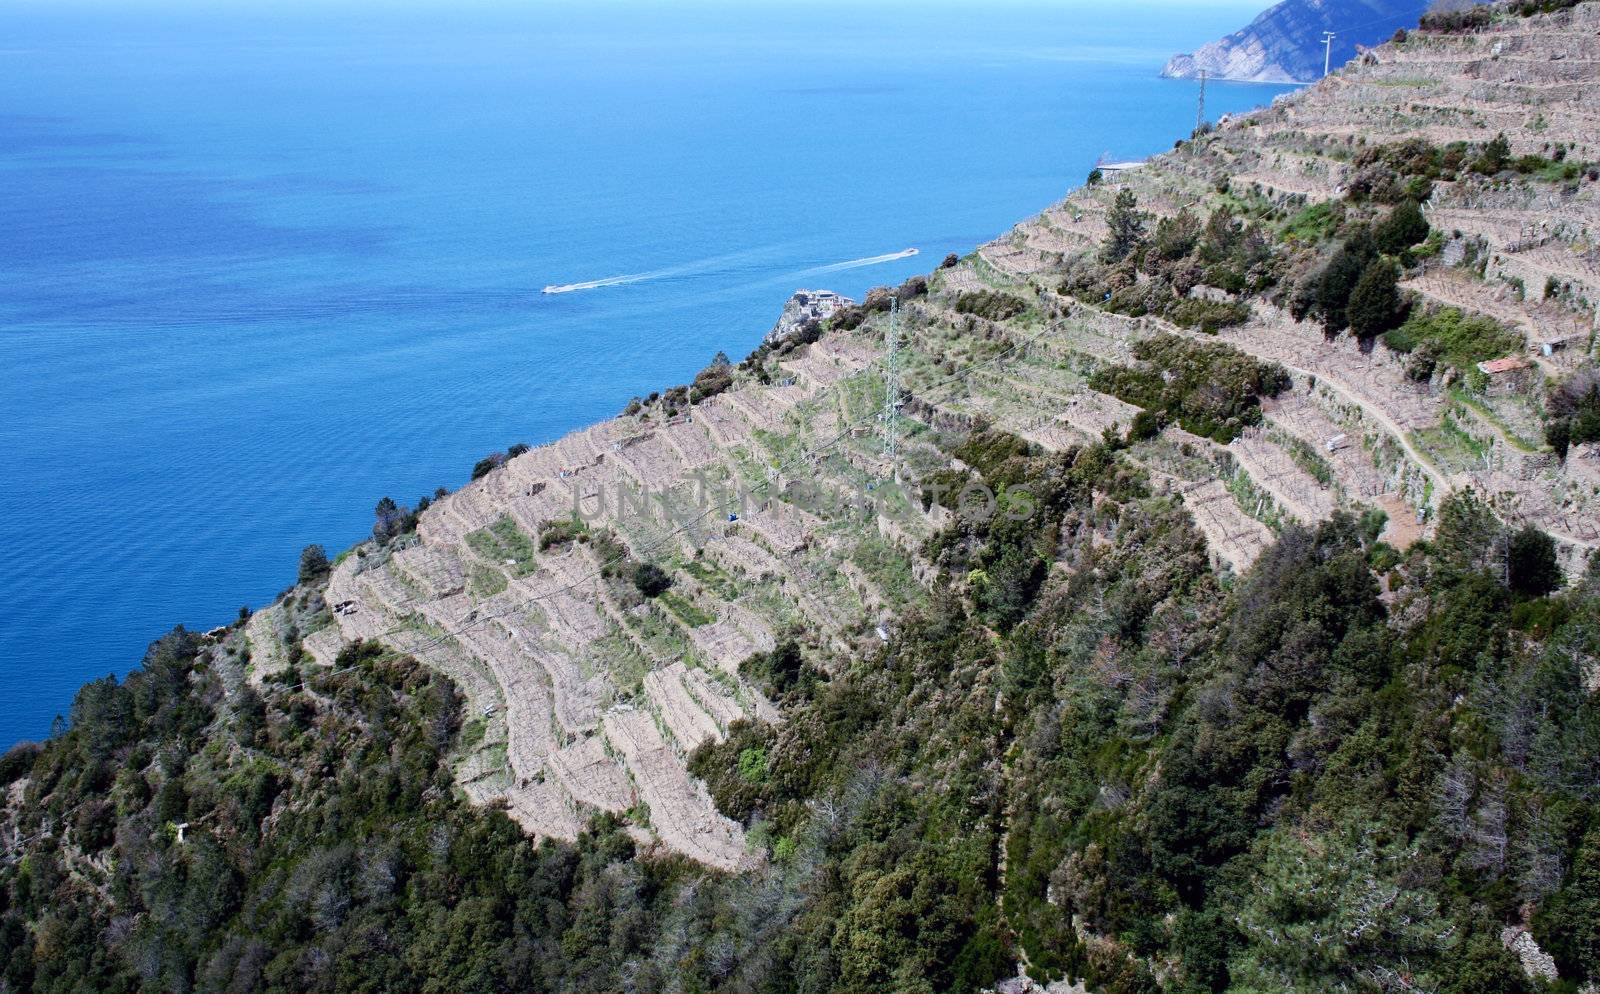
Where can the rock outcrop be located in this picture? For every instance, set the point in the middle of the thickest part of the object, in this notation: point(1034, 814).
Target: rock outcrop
point(804, 307)
point(1284, 44)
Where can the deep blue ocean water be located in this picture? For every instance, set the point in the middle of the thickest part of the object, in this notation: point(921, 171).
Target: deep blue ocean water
point(260, 267)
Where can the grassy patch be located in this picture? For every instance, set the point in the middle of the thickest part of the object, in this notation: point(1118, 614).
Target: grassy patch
point(685, 610)
point(1254, 501)
point(1468, 400)
point(784, 448)
point(860, 395)
point(769, 600)
point(712, 577)
point(658, 635)
point(888, 567)
point(619, 658)
point(1451, 445)
point(1462, 438)
point(1313, 224)
point(503, 543)
point(485, 582)
point(1309, 459)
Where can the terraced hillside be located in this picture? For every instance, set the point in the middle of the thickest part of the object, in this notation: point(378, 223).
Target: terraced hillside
point(766, 495)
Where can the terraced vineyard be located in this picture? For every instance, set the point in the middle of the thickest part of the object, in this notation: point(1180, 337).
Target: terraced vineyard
point(589, 696)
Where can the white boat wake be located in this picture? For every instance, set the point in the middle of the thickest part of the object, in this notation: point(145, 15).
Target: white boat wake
point(874, 260)
point(709, 263)
point(686, 269)
point(608, 281)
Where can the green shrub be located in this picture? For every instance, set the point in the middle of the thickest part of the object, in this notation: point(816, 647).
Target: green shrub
point(557, 533)
point(753, 765)
point(714, 379)
point(651, 580)
point(1209, 388)
point(990, 304)
point(1495, 157)
point(1404, 227)
point(1462, 340)
point(488, 464)
point(1208, 315)
point(1375, 302)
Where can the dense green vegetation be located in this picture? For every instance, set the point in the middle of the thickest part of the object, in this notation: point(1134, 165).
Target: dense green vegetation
point(651, 580)
point(1209, 388)
point(1447, 335)
point(323, 848)
point(990, 304)
point(1574, 411)
point(1358, 287)
point(1285, 785)
point(1456, 18)
point(1185, 271)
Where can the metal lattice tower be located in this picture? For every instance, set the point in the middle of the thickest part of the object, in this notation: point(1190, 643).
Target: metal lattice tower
point(1200, 111)
point(891, 389)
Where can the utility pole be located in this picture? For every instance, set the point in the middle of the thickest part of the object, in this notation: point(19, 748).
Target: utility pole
point(1327, 51)
point(891, 389)
point(1200, 112)
point(1594, 332)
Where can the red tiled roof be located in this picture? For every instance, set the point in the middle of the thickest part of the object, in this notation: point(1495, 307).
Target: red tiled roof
point(1505, 365)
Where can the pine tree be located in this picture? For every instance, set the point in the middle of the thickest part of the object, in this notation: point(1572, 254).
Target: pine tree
point(1531, 565)
point(1404, 227)
point(1569, 923)
point(314, 563)
point(1126, 227)
point(1375, 302)
point(1340, 278)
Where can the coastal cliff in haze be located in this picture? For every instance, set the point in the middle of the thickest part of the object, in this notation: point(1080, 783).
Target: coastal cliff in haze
point(1284, 44)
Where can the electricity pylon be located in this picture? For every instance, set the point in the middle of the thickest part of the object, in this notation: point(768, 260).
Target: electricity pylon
point(891, 389)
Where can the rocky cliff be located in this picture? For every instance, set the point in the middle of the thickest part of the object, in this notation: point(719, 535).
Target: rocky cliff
point(1284, 44)
point(806, 307)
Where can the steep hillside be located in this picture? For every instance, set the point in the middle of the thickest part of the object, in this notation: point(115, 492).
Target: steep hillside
point(1285, 43)
point(1212, 604)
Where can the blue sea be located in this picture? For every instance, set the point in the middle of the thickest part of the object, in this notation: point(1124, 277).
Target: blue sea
point(262, 265)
